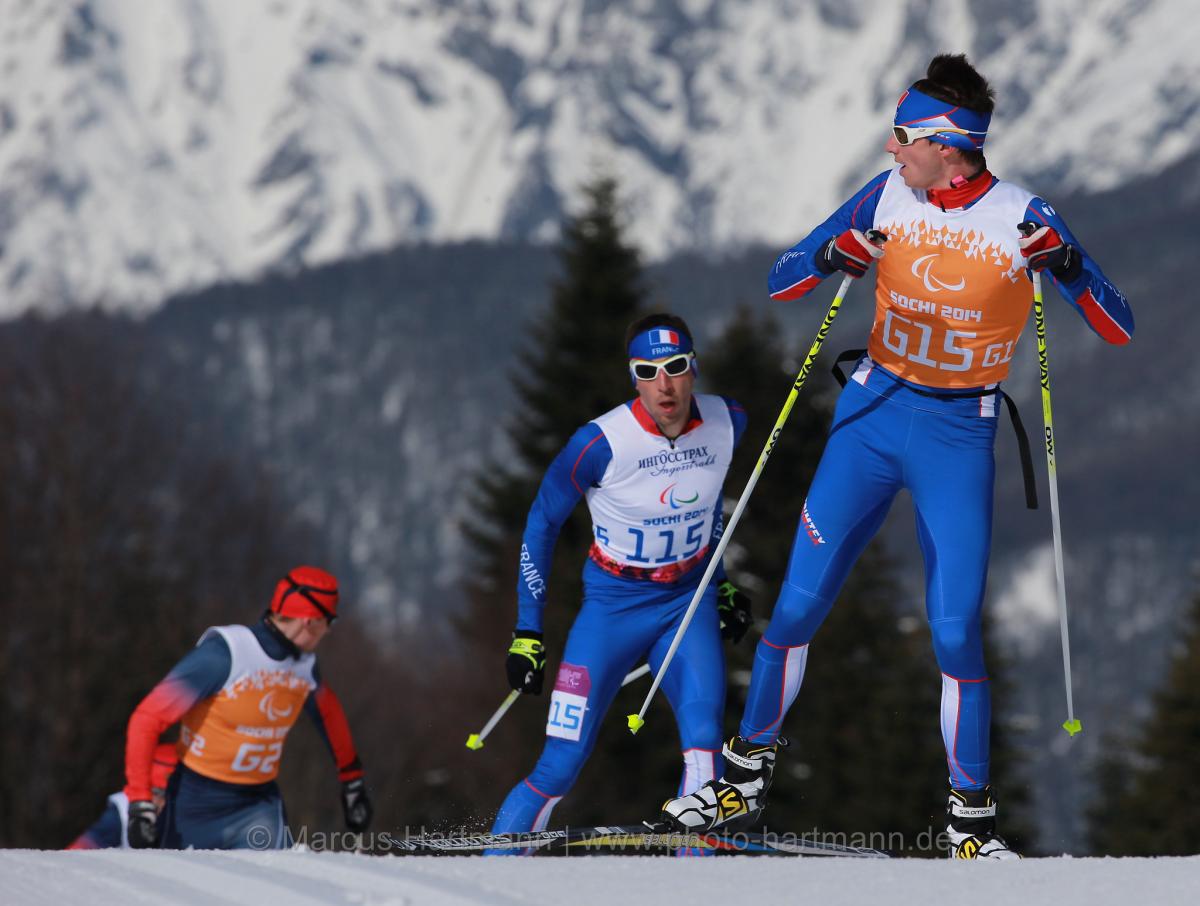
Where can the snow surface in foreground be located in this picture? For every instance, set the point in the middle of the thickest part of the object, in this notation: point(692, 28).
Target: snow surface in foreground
point(301, 878)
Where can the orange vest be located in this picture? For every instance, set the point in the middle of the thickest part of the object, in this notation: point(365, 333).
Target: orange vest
point(237, 735)
point(952, 295)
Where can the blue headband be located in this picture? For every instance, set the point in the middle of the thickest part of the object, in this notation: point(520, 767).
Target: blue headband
point(918, 110)
point(658, 343)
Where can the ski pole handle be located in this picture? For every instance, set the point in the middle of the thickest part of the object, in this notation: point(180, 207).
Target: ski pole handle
point(475, 740)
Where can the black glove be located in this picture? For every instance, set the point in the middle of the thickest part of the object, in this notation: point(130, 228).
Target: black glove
point(143, 824)
point(734, 609)
point(851, 252)
point(526, 664)
point(1044, 249)
point(356, 806)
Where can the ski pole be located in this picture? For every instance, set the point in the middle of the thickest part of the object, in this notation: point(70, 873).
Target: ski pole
point(1072, 725)
point(475, 740)
point(636, 721)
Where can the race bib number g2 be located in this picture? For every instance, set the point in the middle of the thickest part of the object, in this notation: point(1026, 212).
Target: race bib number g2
point(254, 756)
point(568, 703)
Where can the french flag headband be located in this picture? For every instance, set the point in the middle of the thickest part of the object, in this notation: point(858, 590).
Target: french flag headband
point(658, 343)
point(917, 110)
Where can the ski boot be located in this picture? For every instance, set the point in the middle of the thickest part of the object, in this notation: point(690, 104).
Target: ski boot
point(732, 803)
point(971, 826)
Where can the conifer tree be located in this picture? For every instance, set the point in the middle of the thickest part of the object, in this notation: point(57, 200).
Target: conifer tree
point(1149, 802)
point(572, 370)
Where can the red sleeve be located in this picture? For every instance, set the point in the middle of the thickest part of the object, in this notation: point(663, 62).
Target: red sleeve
point(336, 729)
point(166, 703)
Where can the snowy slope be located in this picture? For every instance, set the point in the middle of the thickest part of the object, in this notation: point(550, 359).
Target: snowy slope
point(300, 879)
point(151, 147)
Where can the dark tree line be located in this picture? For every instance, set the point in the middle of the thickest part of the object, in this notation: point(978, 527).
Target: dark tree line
point(123, 534)
point(1147, 802)
point(129, 523)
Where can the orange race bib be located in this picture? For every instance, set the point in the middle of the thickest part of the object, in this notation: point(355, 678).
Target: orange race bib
point(238, 734)
point(951, 296)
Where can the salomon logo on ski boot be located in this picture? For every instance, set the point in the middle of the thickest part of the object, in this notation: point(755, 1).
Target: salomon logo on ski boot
point(971, 826)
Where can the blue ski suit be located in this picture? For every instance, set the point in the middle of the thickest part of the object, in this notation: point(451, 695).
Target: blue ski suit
point(919, 413)
point(656, 515)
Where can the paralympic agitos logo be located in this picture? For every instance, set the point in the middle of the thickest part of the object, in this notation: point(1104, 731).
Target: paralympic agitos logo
point(932, 283)
point(675, 500)
point(267, 707)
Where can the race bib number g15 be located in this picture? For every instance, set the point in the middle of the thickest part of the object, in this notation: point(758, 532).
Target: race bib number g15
point(568, 703)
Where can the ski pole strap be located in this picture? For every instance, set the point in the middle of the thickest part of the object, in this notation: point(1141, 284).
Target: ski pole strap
point(1031, 501)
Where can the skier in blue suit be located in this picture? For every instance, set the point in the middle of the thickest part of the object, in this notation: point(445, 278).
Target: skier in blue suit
point(652, 471)
point(919, 413)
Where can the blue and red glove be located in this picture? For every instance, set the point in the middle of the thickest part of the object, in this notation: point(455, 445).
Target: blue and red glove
point(1045, 250)
point(851, 252)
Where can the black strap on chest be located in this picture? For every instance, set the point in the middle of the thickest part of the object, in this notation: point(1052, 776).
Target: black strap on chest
point(853, 355)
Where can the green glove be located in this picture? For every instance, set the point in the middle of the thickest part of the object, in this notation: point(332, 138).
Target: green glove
point(526, 664)
point(734, 609)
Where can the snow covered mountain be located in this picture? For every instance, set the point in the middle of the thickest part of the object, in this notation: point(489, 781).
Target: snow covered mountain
point(148, 148)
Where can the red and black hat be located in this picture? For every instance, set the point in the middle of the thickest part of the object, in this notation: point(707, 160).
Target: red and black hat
point(306, 592)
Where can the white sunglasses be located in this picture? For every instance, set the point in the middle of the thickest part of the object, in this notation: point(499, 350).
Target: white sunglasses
point(645, 370)
point(906, 135)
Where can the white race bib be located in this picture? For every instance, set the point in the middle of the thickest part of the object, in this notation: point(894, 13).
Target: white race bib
point(568, 703)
